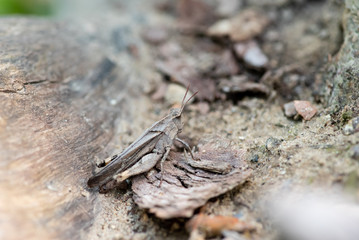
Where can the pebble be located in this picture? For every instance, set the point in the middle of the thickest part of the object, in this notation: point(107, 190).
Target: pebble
point(289, 110)
point(351, 127)
point(251, 54)
point(254, 158)
point(244, 26)
point(303, 108)
point(254, 57)
point(175, 93)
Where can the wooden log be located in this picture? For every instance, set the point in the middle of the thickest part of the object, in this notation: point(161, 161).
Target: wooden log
point(59, 98)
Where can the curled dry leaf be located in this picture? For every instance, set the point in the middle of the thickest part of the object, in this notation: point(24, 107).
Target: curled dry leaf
point(242, 27)
point(187, 186)
point(214, 225)
point(241, 84)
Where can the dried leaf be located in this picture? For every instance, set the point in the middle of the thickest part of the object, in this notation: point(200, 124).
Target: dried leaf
point(226, 65)
point(195, 12)
point(180, 72)
point(214, 225)
point(185, 187)
point(241, 84)
point(242, 27)
point(276, 79)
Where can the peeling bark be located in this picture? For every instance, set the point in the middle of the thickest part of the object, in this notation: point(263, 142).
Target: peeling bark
point(187, 186)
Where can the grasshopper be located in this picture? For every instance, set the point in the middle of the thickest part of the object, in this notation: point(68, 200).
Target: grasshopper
point(143, 154)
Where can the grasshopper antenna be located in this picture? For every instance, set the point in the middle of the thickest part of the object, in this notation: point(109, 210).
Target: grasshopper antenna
point(185, 95)
point(183, 102)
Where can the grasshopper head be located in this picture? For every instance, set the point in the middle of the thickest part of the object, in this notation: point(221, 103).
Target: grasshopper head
point(176, 113)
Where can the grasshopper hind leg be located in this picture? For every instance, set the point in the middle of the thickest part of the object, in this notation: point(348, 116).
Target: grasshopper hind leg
point(145, 164)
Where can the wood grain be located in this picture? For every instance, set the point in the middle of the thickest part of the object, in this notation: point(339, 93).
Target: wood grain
point(55, 117)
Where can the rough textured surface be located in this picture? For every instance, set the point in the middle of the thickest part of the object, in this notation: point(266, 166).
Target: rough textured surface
point(60, 96)
point(50, 127)
point(187, 186)
point(342, 76)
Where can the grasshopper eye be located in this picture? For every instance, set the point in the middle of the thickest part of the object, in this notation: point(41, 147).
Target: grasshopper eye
point(175, 112)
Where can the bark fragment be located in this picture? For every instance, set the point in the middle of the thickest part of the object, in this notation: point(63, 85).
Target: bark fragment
point(187, 186)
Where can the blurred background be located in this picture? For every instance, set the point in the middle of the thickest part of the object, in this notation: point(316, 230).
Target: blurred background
point(49, 8)
point(28, 7)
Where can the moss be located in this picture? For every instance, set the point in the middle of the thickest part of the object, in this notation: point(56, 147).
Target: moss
point(347, 114)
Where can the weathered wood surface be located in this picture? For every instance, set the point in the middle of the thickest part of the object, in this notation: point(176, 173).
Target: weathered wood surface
point(60, 95)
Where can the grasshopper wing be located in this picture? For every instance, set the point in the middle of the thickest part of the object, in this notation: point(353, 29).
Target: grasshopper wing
point(143, 145)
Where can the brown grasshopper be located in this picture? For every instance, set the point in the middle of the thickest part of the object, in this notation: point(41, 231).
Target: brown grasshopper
point(143, 154)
